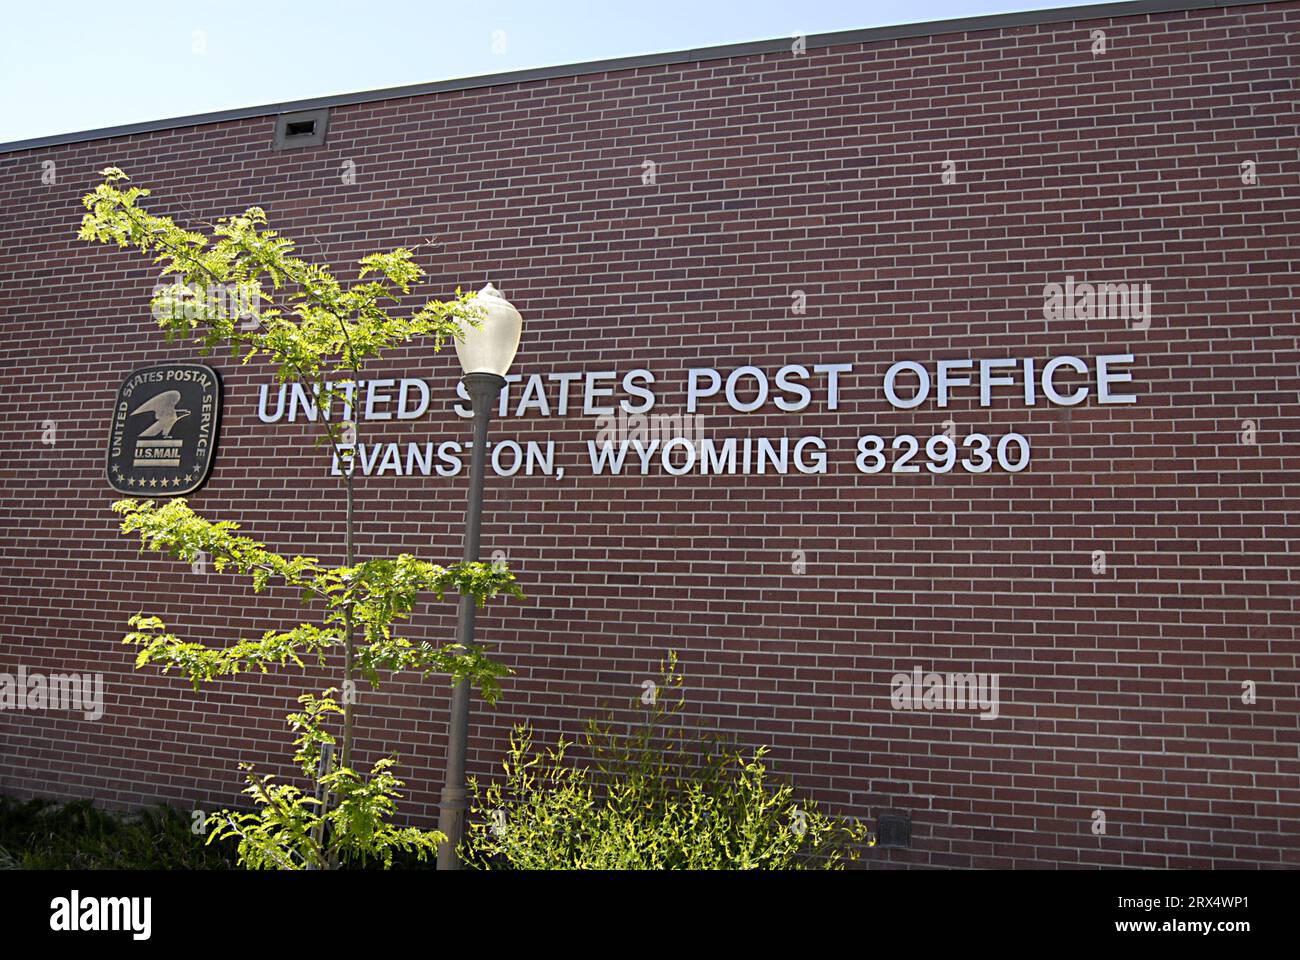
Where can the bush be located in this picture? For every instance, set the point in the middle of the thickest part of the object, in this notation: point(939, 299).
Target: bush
point(43, 835)
point(652, 798)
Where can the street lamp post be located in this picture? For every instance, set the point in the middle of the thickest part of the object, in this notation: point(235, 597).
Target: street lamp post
point(485, 355)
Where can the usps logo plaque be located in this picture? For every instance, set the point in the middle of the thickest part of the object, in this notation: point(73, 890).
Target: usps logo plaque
point(164, 432)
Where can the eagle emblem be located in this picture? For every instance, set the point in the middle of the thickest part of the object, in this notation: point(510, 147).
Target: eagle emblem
point(165, 412)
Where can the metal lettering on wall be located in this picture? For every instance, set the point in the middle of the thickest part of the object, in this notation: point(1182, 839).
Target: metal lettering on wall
point(164, 431)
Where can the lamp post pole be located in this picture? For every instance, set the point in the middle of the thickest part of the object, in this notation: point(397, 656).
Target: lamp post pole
point(485, 351)
point(483, 390)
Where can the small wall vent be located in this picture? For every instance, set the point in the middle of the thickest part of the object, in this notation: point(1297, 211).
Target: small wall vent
point(303, 129)
point(894, 829)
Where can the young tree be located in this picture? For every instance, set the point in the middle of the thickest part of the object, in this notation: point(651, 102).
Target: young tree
point(318, 333)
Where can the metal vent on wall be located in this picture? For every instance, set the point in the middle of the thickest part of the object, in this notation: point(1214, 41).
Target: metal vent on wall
point(305, 128)
point(894, 829)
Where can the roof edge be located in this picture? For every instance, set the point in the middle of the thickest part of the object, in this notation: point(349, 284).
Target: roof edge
point(1094, 11)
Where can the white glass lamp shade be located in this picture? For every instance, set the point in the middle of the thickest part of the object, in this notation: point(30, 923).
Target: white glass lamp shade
point(490, 347)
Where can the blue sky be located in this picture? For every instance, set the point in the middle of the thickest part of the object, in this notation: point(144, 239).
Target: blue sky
point(70, 66)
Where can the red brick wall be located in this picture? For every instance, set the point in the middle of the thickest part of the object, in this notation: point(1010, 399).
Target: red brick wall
point(1121, 692)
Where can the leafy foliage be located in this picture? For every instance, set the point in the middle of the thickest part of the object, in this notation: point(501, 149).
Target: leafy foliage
point(42, 835)
point(317, 332)
point(653, 798)
point(320, 329)
point(374, 594)
point(291, 830)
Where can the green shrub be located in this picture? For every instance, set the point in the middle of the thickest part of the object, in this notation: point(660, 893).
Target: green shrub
point(652, 797)
point(43, 835)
